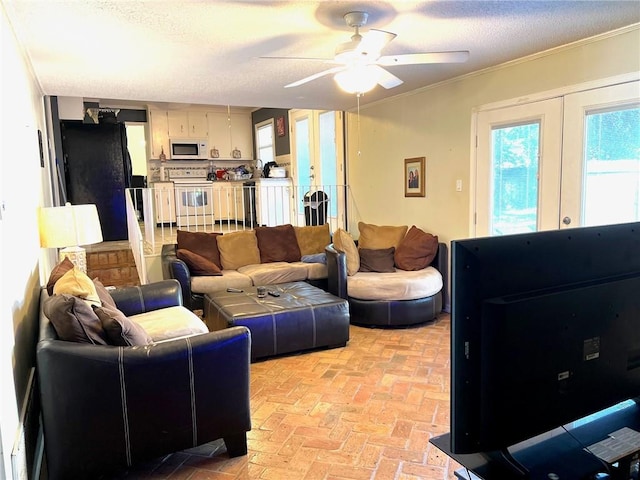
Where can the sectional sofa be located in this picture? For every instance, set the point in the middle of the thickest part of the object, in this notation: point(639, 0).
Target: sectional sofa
point(205, 262)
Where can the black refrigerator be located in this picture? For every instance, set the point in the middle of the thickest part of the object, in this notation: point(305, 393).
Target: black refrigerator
point(97, 169)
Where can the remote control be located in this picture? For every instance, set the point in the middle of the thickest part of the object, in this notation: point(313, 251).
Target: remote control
point(274, 294)
point(234, 290)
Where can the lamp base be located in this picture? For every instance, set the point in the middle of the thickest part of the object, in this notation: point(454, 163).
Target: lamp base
point(77, 255)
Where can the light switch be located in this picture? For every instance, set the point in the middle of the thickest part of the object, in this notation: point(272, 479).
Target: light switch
point(458, 185)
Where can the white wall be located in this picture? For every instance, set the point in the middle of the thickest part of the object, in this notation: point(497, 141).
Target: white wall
point(137, 146)
point(22, 114)
point(436, 123)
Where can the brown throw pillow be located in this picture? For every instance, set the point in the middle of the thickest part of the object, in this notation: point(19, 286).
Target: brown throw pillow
point(380, 236)
point(203, 243)
point(343, 242)
point(121, 331)
point(278, 244)
point(198, 265)
point(417, 250)
point(313, 238)
point(376, 260)
point(58, 271)
point(74, 320)
point(103, 294)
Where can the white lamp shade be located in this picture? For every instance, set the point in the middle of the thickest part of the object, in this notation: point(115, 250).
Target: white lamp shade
point(357, 79)
point(67, 226)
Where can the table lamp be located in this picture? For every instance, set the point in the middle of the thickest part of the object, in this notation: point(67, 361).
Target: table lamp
point(69, 227)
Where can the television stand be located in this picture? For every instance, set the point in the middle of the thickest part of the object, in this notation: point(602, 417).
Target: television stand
point(563, 451)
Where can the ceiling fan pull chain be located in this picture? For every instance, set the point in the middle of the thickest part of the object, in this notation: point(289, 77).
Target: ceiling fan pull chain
point(229, 124)
point(358, 101)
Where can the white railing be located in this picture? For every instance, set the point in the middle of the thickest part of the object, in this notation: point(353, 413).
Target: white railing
point(136, 240)
point(155, 214)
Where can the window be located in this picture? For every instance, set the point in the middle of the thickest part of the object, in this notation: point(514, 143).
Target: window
point(265, 147)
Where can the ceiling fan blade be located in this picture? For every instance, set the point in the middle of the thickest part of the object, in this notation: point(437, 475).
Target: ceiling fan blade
point(374, 41)
point(418, 58)
point(316, 76)
point(385, 79)
point(313, 59)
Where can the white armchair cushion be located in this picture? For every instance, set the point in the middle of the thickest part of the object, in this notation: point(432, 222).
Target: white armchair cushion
point(169, 323)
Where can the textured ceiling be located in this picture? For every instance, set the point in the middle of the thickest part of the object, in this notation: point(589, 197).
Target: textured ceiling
point(207, 52)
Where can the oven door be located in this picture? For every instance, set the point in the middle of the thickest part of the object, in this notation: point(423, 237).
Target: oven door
point(194, 206)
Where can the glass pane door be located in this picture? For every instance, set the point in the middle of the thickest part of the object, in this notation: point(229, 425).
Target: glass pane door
point(601, 157)
point(514, 182)
point(317, 162)
point(518, 168)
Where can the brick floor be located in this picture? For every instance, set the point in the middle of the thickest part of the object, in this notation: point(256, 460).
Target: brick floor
point(365, 411)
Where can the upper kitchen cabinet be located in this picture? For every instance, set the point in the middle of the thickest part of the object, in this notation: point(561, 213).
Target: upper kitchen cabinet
point(187, 124)
point(159, 127)
point(229, 133)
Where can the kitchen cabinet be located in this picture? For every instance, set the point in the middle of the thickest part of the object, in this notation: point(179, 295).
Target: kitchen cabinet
point(230, 133)
point(159, 128)
point(165, 202)
point(185, 124)
point(228, 201)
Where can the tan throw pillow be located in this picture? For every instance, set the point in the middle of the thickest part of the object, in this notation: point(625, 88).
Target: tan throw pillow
point(103, 294)
point(58, 271)
point(377, 260)
point(343, 242)
point(380, 236)
point(76, 283)
point(120, 330)
point(238, 249)
point(74, 320)
point(417, 250)
point(198, 265)
point(313, 239)
point(278, 244)
point(203, 243)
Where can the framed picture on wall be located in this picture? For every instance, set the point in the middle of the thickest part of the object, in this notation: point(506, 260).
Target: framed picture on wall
point(280, 128)
point(414, 177)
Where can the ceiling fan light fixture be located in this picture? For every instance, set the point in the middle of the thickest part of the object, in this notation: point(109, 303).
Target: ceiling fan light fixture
point(357, 79)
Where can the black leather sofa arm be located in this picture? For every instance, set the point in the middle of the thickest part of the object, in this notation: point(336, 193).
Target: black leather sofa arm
point(336, 272)
point(105, 405)
point(173, 267)
point(146, 298)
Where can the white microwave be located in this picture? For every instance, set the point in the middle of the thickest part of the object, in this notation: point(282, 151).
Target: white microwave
point(188, 149)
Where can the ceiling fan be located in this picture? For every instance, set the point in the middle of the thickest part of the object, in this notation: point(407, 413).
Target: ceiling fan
point(359, 63)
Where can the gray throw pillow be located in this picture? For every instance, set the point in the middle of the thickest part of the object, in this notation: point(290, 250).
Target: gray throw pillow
point(121, 330)
point(377, 260)
point(74, 320)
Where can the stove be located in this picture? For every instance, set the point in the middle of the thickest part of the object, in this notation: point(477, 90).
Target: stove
point(190, 176)
point(194, 197)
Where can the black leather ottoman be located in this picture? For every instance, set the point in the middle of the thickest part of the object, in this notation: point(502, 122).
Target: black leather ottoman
point(301, 318)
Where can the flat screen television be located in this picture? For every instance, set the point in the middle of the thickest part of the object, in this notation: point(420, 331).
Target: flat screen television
point(545, 331)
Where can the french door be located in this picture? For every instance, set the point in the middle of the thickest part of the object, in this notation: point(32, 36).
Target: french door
point(568, 161)
point(317, 163)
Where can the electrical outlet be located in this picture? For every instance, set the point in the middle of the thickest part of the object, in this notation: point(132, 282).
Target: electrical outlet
point(458, 185)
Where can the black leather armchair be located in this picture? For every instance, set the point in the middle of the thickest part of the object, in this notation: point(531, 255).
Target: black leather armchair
point(106, 408)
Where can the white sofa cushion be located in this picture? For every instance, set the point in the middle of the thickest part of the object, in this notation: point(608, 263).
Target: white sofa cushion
point(275, 272)
point(400, 285)
point(211, 283)
point(170, 323)
point(316, 271)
